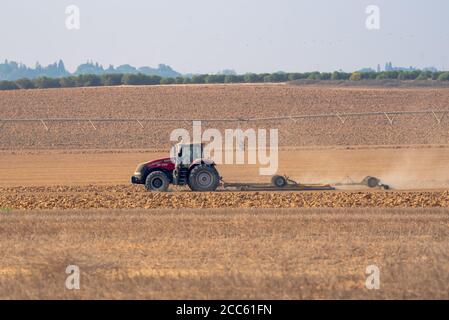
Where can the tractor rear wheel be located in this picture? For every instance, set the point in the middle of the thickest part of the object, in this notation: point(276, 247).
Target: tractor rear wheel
point(204, 178)
point(157, 181)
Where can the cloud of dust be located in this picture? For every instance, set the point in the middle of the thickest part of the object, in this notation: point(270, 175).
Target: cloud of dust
point(401, 168)
point(424, 168)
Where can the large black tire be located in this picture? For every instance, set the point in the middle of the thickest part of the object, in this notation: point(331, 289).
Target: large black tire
point(204, 178)
point(371, 182)
point(278, 181)
point(157, 181)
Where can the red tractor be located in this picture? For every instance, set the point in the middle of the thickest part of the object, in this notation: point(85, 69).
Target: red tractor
point(188, 167)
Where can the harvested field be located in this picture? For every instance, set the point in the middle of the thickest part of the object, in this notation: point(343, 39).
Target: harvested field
point(129, 197)
point(226, 254)
point(220, 101)
point(65, 198)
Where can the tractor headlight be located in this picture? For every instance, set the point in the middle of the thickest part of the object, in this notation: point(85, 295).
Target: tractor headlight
point(139, 169)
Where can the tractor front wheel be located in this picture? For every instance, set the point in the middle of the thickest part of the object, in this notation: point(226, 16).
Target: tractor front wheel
point(204, 178)
point(157, 181)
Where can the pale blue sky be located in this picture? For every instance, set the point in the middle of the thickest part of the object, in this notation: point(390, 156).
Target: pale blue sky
point(205, 36)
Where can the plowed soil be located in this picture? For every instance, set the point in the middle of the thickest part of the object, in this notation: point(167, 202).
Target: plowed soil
point(126, 197)
point(219, 101)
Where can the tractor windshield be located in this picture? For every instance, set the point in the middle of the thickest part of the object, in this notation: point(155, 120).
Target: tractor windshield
point(187, 153)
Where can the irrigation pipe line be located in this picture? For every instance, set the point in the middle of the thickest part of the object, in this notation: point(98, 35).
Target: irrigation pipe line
point(438, 115)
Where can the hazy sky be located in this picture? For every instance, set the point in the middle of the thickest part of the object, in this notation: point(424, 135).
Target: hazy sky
point(204, 36)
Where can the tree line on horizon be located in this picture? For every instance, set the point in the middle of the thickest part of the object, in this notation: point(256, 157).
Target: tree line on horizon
point(117, 79)
point(12, 71)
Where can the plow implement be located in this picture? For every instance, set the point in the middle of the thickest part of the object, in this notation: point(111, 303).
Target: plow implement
point(283, 183)
point(369, 181)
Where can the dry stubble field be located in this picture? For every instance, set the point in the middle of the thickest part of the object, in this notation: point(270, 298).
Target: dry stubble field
point(94, 219)
point(226, 253)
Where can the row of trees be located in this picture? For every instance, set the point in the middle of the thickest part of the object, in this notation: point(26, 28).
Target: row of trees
point(91, 80)
point(12, 71)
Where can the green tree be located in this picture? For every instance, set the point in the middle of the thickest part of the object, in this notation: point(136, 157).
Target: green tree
point(140, 79)
point(295, 76)
point(111, 79)
point(382, 75)
point(408, 75)
point(355, 76)
point(336, 75)
point(45, 82)
point(232, 78)
point(314, 76)
point(392, 74)
point(88, 80)
point(68, 82)
point(424, 75)
point(368, 75)
point(131, 79)
point(268, 78)
point(152, 80)
point(199, 78)
point(167, 81)
point(443, 76)
point(215, 78)
point(413, 74)
point(179, 80)
point(276, 77)
point(8, 85)
point(25, 83)
point(435, 75)
point(252, 78)
point(325, 76)
point(280, 77)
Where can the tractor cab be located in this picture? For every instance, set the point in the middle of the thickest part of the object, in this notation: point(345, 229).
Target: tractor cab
point(186, 157)
point(185, 154)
